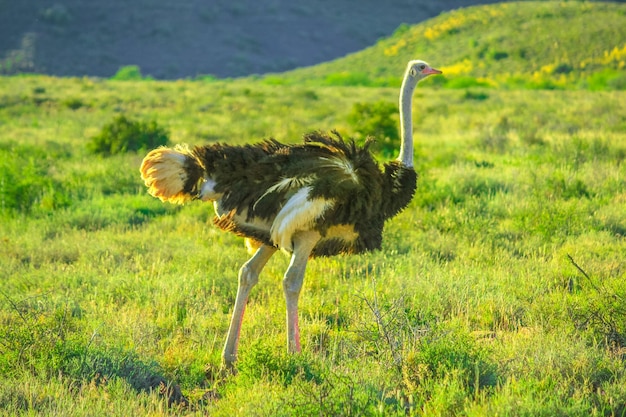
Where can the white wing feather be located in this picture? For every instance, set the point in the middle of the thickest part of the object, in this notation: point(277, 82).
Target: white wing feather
point(298, 214)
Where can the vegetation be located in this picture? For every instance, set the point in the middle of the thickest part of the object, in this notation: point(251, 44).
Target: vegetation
point(123, 135)
point(541, 46)
point(129, 72)
point(472, 307)
point(377, 120)
point(499, 291)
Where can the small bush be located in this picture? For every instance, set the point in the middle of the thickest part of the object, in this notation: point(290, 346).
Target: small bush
point(377, 120)
point(475, 95)
point(263, 361)
point(563, 69)
point(125, 135)
point(310, 95)
point(444, 351)
point(618, 82)
point(498, 55)
point(607, 79)
point(128, 73)
point(73, 103)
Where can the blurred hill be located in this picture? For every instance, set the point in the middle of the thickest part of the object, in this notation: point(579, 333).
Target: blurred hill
point(527, 44)
point(173, 39)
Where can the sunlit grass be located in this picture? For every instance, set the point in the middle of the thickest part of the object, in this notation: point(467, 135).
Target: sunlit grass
point(106, 291)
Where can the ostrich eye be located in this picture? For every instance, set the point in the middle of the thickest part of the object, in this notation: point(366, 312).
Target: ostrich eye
point(422, 67)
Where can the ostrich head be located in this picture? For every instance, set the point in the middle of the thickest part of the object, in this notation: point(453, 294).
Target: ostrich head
point(418, 70)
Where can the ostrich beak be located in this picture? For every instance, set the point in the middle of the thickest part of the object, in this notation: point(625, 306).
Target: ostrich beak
point(431, 71)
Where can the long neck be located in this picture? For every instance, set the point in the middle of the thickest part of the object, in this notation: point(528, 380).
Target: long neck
point(406, 123)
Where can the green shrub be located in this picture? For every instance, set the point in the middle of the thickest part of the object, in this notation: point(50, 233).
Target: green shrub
point(377, 120)
point(563, 69)
point(475, 95)
point(129, 73)
point(607, 79)
point(445, 351)
point(264, 361)
point(124, 135)
point(73, 103)
point(498, 55)
point(618, 82)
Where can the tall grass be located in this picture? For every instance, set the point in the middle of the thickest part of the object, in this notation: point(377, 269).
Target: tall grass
point(498, 291)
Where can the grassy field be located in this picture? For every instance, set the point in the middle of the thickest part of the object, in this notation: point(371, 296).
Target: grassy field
point(499, 291)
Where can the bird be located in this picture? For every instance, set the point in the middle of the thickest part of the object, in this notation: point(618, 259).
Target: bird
point(323, 197)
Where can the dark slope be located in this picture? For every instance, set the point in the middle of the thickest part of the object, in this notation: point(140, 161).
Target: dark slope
point(173, 39)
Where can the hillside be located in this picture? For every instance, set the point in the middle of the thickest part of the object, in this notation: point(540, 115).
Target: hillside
point(168, 39)
point(537, 44)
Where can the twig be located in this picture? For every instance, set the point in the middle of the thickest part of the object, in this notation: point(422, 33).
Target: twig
point(582, 271)
point(15, 306)
point(594, 286)
point(383, 328)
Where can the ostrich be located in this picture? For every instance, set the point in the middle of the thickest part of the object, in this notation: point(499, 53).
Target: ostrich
point(323, 197)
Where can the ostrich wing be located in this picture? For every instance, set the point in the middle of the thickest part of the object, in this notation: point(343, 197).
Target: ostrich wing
point(300, 213)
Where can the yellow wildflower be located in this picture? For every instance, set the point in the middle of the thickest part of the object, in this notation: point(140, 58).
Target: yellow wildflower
point(459, 68)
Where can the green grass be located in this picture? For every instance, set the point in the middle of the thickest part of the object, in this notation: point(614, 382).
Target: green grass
point(473, 306)
point(498, 291)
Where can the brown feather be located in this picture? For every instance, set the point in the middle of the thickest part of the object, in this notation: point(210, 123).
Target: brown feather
point(336, 170)
point(254, 183)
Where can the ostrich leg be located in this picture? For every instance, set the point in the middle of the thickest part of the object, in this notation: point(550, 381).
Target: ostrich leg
point(248, 277)
point(303, 244)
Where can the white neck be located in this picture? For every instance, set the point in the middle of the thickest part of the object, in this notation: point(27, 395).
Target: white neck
point(406, 123)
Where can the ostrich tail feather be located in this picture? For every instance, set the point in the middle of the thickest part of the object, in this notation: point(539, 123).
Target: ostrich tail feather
point(171, 174)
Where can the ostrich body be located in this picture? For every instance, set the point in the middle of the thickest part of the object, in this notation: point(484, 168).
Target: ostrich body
point(323, 197)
